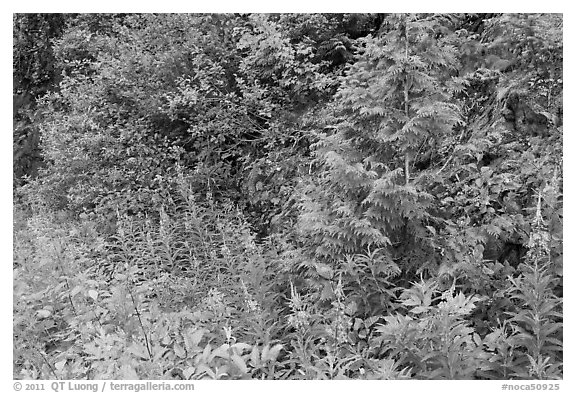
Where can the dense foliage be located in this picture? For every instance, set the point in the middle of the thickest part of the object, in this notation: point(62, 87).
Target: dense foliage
point(288, 196)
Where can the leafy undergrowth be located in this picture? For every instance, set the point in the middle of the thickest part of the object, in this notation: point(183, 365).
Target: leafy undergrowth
point(291, 196)
point(128, 307)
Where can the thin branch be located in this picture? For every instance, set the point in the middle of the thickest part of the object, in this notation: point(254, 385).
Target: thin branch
point(460, 137)
point(47, 363)
point(141, 324)
point(70, 297)
point(406, 107)
point(445, 164)
point(42, 355)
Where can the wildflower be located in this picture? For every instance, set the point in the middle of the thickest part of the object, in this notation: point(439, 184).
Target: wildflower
point(228, 334)
point(252, 304)
point(215, 302)
point(300, 316)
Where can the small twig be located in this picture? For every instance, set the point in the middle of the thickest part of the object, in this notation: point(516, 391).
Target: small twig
point(141, 324)
point(460, 137)
point(47, 363)
point(420, 148)
point(58, 255)
point(445, 165)
point(70, 297)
